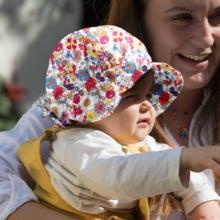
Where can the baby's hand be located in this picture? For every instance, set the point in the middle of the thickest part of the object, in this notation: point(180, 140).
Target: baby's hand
point(199, 159)
point(206, 211)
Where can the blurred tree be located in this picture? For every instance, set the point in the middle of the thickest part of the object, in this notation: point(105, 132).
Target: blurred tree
point(10, 95)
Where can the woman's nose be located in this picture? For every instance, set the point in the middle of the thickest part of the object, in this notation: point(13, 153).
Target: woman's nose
point(202, 35)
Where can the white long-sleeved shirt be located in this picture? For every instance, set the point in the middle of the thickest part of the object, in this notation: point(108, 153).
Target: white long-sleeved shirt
point(89, 169)
point(13, 190)
point(92, 173)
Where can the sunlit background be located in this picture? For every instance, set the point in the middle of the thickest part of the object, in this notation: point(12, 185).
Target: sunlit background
point(29, 29)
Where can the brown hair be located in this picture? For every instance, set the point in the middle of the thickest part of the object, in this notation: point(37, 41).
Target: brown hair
point(127, 14)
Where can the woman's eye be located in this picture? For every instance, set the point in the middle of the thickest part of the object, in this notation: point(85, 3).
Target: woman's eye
point(215, 18)
point(182, 18)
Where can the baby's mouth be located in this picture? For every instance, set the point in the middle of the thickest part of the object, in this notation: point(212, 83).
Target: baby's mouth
point(143, 122)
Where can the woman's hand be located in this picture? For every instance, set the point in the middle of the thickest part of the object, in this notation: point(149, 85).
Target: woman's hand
point(199, 159)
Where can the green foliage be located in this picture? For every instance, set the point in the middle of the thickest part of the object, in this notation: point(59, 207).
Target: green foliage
point(8, 113)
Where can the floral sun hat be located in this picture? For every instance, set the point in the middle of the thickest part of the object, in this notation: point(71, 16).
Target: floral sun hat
point(89, 69)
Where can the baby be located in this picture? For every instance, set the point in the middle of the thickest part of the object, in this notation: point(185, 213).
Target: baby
point(104, 92)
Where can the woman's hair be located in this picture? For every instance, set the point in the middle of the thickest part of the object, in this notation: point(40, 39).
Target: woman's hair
point(128, 15)
point(215, 95)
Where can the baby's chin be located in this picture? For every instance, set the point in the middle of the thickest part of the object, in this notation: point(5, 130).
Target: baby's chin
point(132, 141)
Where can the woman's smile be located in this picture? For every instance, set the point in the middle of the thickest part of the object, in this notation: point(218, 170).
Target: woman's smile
point(191, 38)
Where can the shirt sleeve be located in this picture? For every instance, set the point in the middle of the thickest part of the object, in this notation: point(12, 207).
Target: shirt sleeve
point(99, 162)
point(200, 187)
point(13, 190)
point(200, 190)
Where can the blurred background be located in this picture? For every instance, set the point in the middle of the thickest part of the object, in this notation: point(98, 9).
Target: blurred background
point(29, 30)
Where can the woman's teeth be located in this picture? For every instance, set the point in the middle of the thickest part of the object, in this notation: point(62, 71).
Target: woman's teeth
point(195, 57)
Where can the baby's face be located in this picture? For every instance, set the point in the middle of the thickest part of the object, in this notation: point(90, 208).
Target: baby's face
point(134, 118)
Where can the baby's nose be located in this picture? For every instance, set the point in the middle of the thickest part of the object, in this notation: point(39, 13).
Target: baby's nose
point(145, 106)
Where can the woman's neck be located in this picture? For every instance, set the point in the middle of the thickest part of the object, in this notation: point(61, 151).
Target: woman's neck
point(187, 101)
point(177, 118)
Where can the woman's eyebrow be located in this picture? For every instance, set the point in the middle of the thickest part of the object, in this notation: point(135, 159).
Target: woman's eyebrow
point(217, 10)
point(178, 8)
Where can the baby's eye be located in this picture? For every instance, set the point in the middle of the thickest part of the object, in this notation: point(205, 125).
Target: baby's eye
point(129, 97)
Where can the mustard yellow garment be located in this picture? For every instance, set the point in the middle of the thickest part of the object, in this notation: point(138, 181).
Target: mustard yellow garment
point(29, 154)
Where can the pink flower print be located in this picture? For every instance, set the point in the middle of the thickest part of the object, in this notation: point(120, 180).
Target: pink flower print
point(117, 39)
point(167, 82)
point(110, 94)
point(136, 75)
point(51, 59)
point(104, 67)
point(76, 99)
point(99, 107)
point(104, 39)
point(158, 67)
point(58, 47)
point(129, 41)
point(164, 98)
point(77, 111)
point(90, 84)
point(92, 67)
point(60, 67)
point(57, 92)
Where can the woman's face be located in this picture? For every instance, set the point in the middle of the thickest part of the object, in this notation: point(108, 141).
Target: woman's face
point(185, 34)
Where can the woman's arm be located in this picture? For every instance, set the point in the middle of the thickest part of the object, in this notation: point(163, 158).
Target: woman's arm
point(14, 192)
point(36, 211)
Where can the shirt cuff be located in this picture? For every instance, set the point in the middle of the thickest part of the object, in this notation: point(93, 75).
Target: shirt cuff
point(174, 165)
point(199, 198)
point(14, 192)
point(200, 190)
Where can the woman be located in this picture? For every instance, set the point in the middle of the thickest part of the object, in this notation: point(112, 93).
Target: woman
point(187, 36)
point(182, 33)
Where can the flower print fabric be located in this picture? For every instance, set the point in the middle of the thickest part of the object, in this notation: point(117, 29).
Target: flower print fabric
point(89, 69)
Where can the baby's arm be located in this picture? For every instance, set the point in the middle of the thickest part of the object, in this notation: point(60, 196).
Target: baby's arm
point(89, 153)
